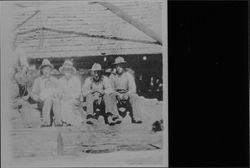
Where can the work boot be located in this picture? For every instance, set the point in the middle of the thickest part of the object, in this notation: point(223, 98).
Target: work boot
point(89, 116)
point(116, 119)
point(45, 124)
point(58, 125)
point(136, 121)
point(65, 124)
point(110, 121)
point(90, 121)
point(28, 126)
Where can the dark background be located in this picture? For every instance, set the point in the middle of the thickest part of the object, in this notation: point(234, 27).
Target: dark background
point(208, 83)
point(144, 70)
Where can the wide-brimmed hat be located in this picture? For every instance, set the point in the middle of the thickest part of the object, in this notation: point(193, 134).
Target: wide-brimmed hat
point(67, 65)
point(119, 60)
point(46, 63)
point(96, 67)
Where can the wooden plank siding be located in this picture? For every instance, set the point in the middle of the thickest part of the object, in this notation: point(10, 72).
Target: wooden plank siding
point(104, 32)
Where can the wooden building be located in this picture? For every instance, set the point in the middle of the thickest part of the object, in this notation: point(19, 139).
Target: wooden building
point(88, 32)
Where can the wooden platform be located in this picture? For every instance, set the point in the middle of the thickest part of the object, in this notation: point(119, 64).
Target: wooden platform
point(34, 143)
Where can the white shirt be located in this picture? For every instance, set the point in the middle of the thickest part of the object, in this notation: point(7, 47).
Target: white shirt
point(70, 88)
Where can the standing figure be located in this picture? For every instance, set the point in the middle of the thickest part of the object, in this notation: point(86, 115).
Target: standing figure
point(124, 85)
point(97, 88)
point(21, 95)
point(70, 91)
point(45, 90)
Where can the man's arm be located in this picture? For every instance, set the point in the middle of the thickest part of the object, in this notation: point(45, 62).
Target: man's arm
point(36, 90)
point(57, 87)
point(112, 81)
point(56, 82)
point(60, 87)
point(86, 89)
point(76, 90)
point(107, 85)
point(131, 84)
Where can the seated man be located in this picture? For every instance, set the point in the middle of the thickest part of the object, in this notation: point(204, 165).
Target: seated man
point(97, 87)
point(69, 93)
point(125, 88)
point(44, 90)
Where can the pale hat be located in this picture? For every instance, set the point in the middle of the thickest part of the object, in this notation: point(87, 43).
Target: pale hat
point(46, 63)
point(67, 64)
point(96, 67)
point(120, 60)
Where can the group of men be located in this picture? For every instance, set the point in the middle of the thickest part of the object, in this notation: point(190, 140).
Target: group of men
point(62, 96)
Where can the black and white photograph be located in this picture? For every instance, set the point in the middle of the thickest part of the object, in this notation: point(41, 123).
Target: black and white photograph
point(84, 83)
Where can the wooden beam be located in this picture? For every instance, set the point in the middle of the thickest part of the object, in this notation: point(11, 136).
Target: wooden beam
point(132, 21)
point(26, 20)
point(85, 35)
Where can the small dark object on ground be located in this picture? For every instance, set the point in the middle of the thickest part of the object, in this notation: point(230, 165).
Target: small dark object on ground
point(157, 126)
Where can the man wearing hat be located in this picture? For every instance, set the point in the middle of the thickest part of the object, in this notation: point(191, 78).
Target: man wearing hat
point(44, 90)
point(97, 87)
point(70, 91)
point(124, 85)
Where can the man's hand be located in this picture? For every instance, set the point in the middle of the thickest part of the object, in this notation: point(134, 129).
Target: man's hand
point(96, 95)
point(100, 92)
point(55, 96)
point(125, 96)
point(119, 96)
point(36, 98)
point(26, 97)
point(39, 99)
point(58, 95)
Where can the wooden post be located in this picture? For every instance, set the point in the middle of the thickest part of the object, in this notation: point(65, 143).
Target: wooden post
point(41, 33)
point(132, 21)
point(59, 144)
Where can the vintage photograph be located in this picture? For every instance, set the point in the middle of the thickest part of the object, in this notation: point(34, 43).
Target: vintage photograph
point(84, 83)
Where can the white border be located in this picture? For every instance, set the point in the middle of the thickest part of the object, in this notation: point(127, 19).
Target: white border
point(5, 68)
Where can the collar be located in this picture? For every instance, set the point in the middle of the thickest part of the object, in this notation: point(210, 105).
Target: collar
point(101, 79)
point(67, 78)
point(120, 74)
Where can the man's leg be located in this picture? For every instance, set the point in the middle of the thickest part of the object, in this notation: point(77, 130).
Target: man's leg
point(26, 115)
point(57, 112)
point(114, 98)
point(47, 105)
point(71, 113)
point(90, 106)
point(134, 99)
point(110, 104)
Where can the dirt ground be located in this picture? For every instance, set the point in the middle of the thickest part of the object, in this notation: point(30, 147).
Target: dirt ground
point(123, 144)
